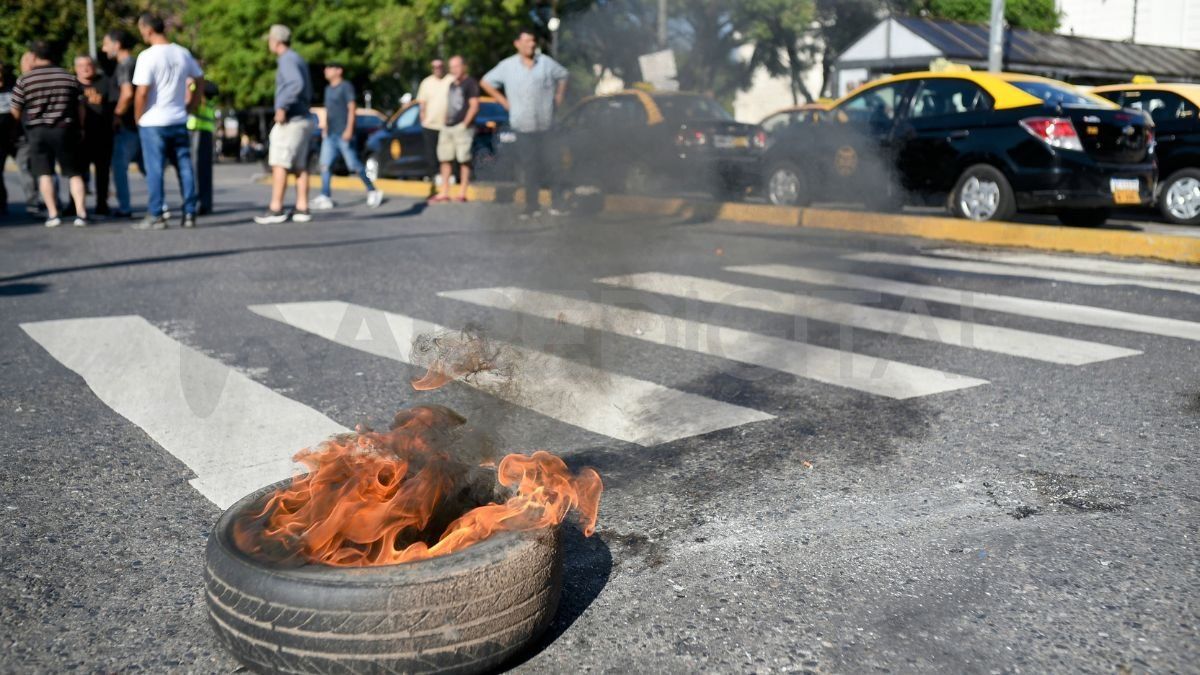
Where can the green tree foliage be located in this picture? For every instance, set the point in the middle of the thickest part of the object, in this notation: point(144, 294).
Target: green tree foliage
point(62, 22)
point(778, 30)
point(384, 45)
point(1040, 15)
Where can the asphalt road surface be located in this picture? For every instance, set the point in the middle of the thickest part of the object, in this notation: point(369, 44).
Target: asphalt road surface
point(822, 451)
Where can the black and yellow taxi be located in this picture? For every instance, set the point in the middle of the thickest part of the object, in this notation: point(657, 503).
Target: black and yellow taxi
point(1175, 109)
point(989, 143)
point(642, 142)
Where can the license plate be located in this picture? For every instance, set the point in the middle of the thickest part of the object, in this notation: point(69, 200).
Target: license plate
point(731, 141)
point(508, 137)
point(1126, 190)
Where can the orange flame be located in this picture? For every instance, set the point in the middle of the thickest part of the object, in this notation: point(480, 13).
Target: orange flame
point(382, 498)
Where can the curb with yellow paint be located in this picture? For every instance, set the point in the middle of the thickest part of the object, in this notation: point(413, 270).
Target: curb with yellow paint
point(1118, 243)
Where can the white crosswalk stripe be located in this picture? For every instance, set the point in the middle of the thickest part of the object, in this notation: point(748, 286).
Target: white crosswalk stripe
point(606, 403)
point(235, 434)
point(1085, 315)
point(1080, 264)
point(845, 369)
point(1013, 270)
point(984, 337)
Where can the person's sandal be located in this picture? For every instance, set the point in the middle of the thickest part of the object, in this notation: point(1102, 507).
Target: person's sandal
point(438, 199)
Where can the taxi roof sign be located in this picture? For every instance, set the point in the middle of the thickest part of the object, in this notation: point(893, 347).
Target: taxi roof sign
point(1143, 79)
point(944, 65)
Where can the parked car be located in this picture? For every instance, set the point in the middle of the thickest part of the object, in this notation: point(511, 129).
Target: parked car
point(1175, 109)
point(800, 114)
point(366, 122)
point(646, 143)
point(991, 143)
point(397, 149)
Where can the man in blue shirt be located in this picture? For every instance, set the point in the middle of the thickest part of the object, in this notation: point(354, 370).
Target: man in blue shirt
point(534, 84)
point(289, 138)
point(338, 138)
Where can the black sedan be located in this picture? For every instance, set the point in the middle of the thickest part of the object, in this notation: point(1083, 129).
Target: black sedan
point(647, 143)
point(397, 150)
point(1175, 109)
point(990, 144)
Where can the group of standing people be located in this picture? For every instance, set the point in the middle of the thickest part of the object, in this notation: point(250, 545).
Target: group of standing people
point(91, 126)
point(529, 85)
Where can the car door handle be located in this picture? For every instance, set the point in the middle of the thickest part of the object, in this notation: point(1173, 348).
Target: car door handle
point(958, 134)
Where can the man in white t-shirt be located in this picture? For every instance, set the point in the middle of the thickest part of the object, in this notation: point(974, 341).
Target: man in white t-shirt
point(161, 105)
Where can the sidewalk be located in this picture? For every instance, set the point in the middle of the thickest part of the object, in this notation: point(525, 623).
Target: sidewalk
point(1158, 244)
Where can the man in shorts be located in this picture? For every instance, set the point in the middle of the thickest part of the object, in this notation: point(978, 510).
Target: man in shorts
point(458, 134)
point(52, 102)
point(293, 130)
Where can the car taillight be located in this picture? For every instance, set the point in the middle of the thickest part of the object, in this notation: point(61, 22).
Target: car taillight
point(690, 138)
point(1057, 132)
point(759, 139)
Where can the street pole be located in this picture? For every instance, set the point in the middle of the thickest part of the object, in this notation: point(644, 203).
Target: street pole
point(996, 39)
point(91, 17)
point(662, 24)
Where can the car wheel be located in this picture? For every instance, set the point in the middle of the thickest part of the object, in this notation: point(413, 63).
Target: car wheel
point(1083, 217)
point(786, 185)
point(371, 166)
point(1179, 197)
point(464, 612)
point(982, 193)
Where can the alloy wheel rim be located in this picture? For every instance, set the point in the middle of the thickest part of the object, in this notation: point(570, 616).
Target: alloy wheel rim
point(784, 187)
point(979, 198)
point(1183, 198)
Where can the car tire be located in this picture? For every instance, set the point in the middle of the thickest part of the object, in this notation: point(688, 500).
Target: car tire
point(786, 185)
point(465, 612)
point(1179, 197)
point(1083, 217)
point(982, 193)
point(372, 167)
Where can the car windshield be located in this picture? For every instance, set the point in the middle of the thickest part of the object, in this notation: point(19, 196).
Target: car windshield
point(680, 108)
point(1056, 94)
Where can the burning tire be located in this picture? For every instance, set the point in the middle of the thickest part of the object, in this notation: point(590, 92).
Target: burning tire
point(463, 612)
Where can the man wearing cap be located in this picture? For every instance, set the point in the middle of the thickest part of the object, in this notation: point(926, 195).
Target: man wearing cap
point(289, 138)
point(338, 136)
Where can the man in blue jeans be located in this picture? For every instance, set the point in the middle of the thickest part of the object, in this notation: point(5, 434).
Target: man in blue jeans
point(338, 138)
point(161, 107)
point(118, 45)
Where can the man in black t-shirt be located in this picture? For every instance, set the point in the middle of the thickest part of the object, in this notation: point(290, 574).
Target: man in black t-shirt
point(97, 127)
point(457, 137)
point(118, 45)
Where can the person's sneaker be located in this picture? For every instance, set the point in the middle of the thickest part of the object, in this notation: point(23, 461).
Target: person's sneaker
point(189, 220)
point(118, 213)
point(299, 216)
point(323, 203)
point(53, 222)
point(529, 215)
point(374, 198)
point(271, 218)
point(557, 212)
point(81, 221)
point(151, 222)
